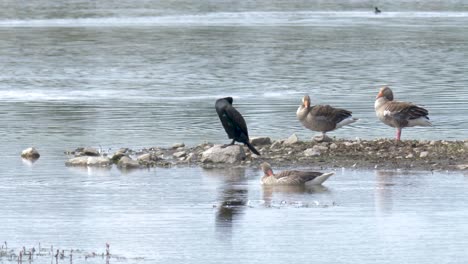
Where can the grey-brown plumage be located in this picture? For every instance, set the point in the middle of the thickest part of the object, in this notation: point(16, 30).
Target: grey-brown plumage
point(399, 114)
point(233, 122)
point(292, 177)
point(322, 118)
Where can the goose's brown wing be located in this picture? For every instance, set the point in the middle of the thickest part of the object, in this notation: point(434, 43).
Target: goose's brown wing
point(330, 113)
point(297, 177)
point(401, 112)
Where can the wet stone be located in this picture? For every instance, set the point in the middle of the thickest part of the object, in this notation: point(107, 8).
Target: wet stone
point(30, 153)
point(179, 154)
point(178, 145)
point(311, 152)
point(258, 141)
point(128, 163)
point(88, 151)
point(219, 154)
point(89, 161)
point(293, 139)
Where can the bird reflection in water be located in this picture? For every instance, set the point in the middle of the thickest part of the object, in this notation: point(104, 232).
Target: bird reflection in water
point(232, 198)
point(383, 191)
point(274, 195)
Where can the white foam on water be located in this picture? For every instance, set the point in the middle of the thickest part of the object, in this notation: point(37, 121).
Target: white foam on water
point(229, 18)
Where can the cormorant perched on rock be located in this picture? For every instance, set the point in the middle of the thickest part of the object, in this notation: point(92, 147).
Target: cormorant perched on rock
point(233, 122)
point(377, 10)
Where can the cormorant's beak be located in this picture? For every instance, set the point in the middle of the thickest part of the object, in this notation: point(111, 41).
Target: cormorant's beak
point(269, 172)
point(306, 103)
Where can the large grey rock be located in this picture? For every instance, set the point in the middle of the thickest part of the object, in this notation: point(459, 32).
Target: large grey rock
point(30, 153)
point(119, 154)
point(293, 139)
point(258, 141)
point(218, 154)
point(147, 157)
point(128, 163)
point(89, 161)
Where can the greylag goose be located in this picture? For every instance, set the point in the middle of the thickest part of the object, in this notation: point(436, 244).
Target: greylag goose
point(399, 114)
point(323, 118)
point(233, 122)
point(292, 177)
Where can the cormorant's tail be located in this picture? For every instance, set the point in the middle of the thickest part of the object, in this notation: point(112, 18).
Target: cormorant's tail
point(252, 148)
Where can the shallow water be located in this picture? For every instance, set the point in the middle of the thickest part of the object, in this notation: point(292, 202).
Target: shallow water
point(140, 74)
point(211, 216)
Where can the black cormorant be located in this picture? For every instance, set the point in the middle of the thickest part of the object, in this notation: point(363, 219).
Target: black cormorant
point(233, 122)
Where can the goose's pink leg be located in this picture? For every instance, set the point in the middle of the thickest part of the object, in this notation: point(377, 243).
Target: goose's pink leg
point(398, 134)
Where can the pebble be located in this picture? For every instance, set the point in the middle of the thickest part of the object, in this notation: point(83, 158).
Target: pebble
point(423, 154)
point(179, 154)
point(293, 139)
point(258, 141)
point(311, 152)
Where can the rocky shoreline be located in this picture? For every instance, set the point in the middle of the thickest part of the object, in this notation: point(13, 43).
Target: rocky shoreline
point(291, 152)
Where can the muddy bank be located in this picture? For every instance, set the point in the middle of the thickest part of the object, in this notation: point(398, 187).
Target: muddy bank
point(359, 154)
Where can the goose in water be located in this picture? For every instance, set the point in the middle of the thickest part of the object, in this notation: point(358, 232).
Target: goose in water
point(323, 118)
point(292, 177)
point(399, 114)
point(233, 123)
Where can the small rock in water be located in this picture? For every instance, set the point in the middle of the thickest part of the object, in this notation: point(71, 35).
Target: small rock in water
point(98, 162)
point(409, 156)
point(423, 154)
point(89, 161)
point(333, 146)
point(147, 157)
point(128, 163)
point(90, 152)
point(293, 139)
point(30, 153)
point(178, 145)
point(179, 154)
point(258, 141)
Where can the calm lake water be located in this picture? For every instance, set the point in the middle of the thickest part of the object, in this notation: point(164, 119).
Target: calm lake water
point(139, 74)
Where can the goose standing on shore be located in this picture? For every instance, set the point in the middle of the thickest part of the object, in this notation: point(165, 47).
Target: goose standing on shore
point(233, 123)
point(399, 114)
point(323, 118)
point(293, 177)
